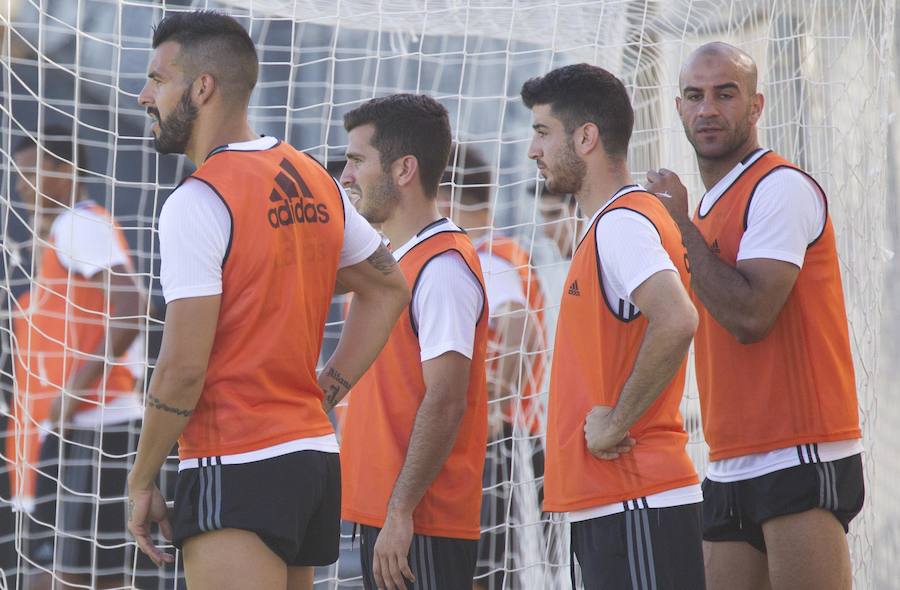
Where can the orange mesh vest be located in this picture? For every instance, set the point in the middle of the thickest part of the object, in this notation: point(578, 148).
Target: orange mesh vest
point(533, 377)
point(277, 280)
point(64, 317)
point(383, 409)
point(596, 347)
point(795, 386)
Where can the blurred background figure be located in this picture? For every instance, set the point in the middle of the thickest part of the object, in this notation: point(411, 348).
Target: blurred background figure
point(516, 351)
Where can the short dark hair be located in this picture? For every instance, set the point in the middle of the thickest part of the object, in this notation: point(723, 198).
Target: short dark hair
point(583, 93)
point(408, 125)
point(212, 42)
point(58, 142)
point(473, 174)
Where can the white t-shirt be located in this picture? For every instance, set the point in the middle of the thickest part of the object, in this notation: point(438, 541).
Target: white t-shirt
point(194, 231)
point(195, 227)
point(87, 243)
point(631, 252)
point(445, 318)
point(502, 282)
point(786, 214)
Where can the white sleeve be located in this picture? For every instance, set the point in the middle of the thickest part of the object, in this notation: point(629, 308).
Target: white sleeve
point(630, 252)
point(87, 243)
point(194, 232)
point(360, 238)
point(446, 317)
point(502, 282)
point(787, 213)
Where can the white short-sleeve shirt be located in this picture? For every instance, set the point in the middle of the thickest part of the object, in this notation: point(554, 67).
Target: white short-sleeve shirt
point(195, 228)
point(631, 252)
point(446, 318)
point(786, 214)
point(86, 241)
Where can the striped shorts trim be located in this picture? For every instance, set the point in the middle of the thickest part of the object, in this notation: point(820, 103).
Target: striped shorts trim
point(209, 513)
point(438, 563)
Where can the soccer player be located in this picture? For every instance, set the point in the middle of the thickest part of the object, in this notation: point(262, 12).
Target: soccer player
point(73, 388)
point(252, 247)
point(414, 437)
point(516, 345)
point(616, 458)
point(773, 356)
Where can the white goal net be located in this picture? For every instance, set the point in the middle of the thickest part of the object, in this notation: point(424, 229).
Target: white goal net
point(826, 69)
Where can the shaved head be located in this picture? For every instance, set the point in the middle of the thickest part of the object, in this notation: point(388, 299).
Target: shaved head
point(742, 64)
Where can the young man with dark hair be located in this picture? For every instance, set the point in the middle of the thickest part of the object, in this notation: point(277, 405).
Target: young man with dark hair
point(75, 392)
point(416, 427)
point(774, 369)
point(253, 245)
point(516, 347)
point(616, 458)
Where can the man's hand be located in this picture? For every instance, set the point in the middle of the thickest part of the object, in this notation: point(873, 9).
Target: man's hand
point(146, 505)
point(391, 550)
point(604, 439)
point(667, 186)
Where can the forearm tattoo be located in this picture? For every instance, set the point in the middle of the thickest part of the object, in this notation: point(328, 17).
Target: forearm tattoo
point(158, 404)
point(334, 390)
point(382, 260)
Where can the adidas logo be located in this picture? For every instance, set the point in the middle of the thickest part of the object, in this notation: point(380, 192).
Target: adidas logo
point(573, 289)
point(715, 247)
point(294, 207)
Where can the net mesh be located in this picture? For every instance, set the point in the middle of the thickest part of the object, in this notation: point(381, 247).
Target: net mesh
point(826, 70)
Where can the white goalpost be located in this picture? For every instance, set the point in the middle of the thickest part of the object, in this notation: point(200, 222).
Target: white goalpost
point(826, 68)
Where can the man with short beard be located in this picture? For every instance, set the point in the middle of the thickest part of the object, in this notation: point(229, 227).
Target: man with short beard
point(774, 370)
point(616, 458)
point(414, 436)
point(252, 245)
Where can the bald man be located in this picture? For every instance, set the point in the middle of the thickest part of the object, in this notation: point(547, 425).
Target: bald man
point(772, 351)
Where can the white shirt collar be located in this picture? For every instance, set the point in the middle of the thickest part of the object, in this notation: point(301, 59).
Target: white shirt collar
point(441, 225)
point(713, 194)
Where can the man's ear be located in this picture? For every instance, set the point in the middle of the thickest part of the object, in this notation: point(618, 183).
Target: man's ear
point(586, 139)
point(203, 88)
point(405, 170)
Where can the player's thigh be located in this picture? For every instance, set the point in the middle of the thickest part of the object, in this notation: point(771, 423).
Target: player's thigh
point(300, 577)
point(232, 559)
point(808, 551)
point(735, 565)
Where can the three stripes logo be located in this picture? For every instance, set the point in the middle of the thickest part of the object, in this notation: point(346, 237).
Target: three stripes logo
point(715, 247)
point(573, 289)
point(295, 200)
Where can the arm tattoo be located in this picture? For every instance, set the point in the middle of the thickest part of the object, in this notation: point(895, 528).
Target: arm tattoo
point(382, 260)
point(158, 404)
point(334, 390)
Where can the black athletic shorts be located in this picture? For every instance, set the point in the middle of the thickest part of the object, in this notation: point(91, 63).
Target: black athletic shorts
point(735, 511)
point(438, 563)
point(79, 522)
point(293, 502)
point(643, 549)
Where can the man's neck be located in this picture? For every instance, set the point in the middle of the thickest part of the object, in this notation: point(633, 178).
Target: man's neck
point(712, 170)
point(412, 214)
point(599, 187)
point(211, 133)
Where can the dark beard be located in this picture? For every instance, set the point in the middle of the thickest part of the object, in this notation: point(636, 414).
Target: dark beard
point(175, 131)
point(378, 206)
point(569, 173)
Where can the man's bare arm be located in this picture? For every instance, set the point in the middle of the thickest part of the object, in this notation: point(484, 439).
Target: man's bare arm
point(746, 299)
point(380, 294)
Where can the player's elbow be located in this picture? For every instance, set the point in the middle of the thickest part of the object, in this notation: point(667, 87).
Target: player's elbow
point(680, 324)
point(751, 330)
point(181, 375)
